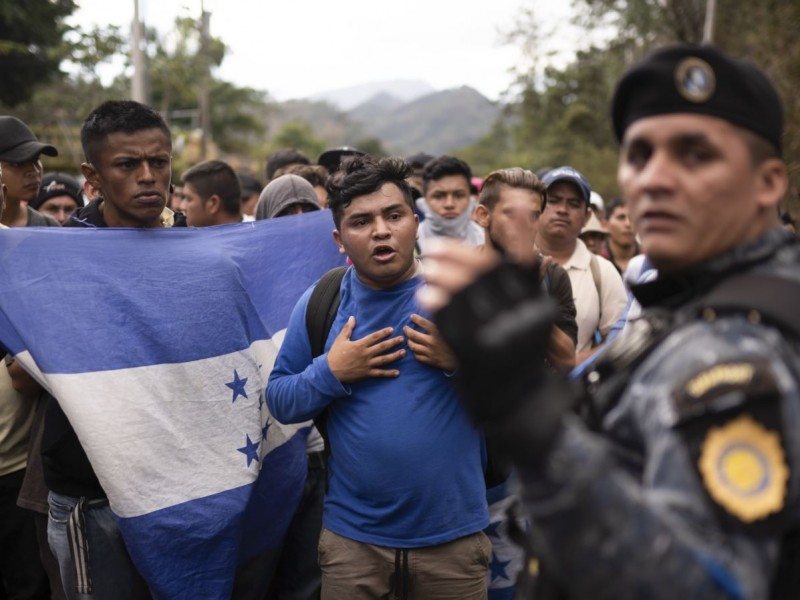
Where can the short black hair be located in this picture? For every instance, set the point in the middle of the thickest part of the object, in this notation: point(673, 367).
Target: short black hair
point(216, 177)
point(316, 175)
point(614, 205)
point(115, 116)
point(363, 175)
point(442, 167)
point(283, 158)
point(419, 160)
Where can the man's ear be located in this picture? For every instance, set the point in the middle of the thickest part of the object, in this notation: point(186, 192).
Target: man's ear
point(338, 239)
point(213, 204)
point(90, 174)
point(772, 182)
point(586, 216)
point(482, 216)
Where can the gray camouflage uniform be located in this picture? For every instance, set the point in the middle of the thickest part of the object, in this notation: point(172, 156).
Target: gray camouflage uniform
point(624, 512)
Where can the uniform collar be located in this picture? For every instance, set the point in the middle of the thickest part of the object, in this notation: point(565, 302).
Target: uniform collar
point(671, 290)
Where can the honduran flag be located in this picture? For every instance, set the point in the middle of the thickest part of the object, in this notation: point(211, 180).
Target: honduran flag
point(158, 343)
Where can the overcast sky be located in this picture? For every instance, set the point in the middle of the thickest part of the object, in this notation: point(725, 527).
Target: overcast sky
point(295, 48)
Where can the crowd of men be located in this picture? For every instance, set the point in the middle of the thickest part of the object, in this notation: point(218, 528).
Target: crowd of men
point(517, 388)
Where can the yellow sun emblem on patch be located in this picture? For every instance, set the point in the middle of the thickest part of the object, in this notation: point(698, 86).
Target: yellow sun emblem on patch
point(743, 469)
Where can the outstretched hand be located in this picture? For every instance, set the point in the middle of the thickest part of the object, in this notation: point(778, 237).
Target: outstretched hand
point(352, 361)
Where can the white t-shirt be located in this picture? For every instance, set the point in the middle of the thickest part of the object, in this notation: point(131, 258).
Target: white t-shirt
point(584, 291)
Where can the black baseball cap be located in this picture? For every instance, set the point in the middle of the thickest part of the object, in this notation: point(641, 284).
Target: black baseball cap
point(331, 158)
point(18, 143)
point(58, 184)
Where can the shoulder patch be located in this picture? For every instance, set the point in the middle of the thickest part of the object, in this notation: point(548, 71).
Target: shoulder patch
point(723, 386)
point(719, 375)
point(744, 469)
point(729, 417)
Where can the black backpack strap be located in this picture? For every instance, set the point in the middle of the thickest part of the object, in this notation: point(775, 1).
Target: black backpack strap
point(322, 308)
point(320, 313)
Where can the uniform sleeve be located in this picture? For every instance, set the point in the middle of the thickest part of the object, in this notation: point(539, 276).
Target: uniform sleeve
point(636, 518)
point(299, 388)
point(615, 296)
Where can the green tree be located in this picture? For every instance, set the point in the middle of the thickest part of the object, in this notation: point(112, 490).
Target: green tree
point(764, 32)
point(372, 146)
point(176, 68)
point(30, 45)
point(562, 114)
point(299, 135)
point(56, 109)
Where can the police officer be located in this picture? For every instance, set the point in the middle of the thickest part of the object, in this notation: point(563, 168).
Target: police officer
point(672, 470)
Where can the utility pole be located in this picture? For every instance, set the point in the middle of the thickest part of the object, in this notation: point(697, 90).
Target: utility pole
point(708, 26)
point(139, 80)
point(205, 63)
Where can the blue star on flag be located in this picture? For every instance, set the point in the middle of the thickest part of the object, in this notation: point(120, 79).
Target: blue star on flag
point(498, 568)
point(237, 385)
point(264, 431)
point(250, 449)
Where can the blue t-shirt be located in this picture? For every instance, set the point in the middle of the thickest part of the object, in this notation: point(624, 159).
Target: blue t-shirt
point(405, 465)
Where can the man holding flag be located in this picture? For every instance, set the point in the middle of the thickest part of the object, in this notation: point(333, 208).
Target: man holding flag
point(132, 170)
point(160, 431)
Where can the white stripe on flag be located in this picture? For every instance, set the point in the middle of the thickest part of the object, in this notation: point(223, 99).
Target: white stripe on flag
point(176, 432)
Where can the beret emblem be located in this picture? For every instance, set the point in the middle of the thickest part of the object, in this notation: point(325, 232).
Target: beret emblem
point(695, 79)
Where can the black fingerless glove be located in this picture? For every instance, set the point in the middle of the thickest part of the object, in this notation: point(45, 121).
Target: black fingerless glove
point(499, 328)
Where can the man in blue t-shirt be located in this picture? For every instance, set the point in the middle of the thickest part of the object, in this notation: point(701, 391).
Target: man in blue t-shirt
point(406, 501)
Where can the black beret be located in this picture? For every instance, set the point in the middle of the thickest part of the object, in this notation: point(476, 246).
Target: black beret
point(702, 80)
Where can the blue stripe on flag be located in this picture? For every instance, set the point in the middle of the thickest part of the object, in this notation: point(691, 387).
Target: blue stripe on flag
point(227, 528)
point(155, 296)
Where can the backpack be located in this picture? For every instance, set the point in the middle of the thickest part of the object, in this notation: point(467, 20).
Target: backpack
point(320, 313)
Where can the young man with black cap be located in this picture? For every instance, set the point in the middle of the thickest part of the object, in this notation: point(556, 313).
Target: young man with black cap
point(60, 196)
point(683, 480)
point(22, 173)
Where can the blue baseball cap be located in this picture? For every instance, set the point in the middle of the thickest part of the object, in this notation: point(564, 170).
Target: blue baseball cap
point(573, 176)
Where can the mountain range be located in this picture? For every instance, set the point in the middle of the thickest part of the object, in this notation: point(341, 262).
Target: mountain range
point(406, 116)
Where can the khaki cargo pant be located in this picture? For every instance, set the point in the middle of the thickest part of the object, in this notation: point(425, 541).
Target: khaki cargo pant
point(353, 570)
